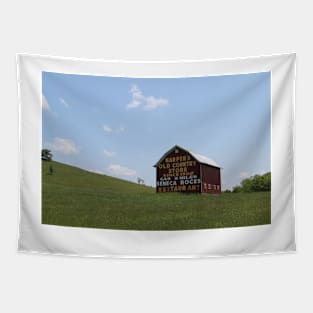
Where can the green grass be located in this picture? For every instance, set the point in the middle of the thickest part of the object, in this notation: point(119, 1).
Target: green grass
point(74, 197)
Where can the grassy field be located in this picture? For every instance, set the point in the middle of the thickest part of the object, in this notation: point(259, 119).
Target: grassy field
point(74, 197)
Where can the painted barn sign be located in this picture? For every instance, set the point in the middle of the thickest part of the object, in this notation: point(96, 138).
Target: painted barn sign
point(180, 170)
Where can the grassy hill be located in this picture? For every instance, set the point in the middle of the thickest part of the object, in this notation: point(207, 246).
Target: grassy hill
point(75, 197)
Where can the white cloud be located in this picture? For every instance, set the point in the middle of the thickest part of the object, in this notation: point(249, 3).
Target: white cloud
point(107, 128)
point(243, 175)
point(46, 106)
point(137, 97)
point(147, 102)
point(63, 146)
point(119, 170)
point(108, 153)
point(136, 92)
point(110, 129)
point(133, 104)
point(64, 103)
point(152, 103)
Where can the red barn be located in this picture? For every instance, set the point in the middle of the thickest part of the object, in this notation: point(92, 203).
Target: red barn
point(180, 170)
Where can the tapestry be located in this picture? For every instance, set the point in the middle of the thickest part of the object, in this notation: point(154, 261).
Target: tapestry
point(156, 159)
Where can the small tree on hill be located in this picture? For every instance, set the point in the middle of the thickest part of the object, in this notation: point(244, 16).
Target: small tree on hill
point(46, 155)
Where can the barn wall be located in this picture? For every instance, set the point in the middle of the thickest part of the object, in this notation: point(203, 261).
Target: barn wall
point(211, 179)
point(178, 172)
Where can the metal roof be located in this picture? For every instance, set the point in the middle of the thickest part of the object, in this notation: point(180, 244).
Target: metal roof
point(200, 158)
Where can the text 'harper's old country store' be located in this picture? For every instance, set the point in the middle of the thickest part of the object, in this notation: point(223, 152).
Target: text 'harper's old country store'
point(180, 170)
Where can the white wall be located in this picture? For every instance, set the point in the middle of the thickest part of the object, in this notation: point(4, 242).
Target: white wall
point(140, 30)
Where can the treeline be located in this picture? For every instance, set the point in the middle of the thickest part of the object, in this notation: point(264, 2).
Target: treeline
point(254, 184)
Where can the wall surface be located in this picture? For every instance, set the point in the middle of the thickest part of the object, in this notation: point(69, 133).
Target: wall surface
point(159, 30)
point(211, 179)
point(178, 171)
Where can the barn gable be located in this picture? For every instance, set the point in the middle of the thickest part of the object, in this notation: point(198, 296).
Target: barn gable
point(181, 170)
point(198, 157)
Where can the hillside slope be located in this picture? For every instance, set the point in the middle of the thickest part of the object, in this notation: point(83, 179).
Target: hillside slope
point(75, 197)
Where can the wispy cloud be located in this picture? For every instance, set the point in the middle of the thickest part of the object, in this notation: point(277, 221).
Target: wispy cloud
point(107, 129)
point(147, 102)
point(46, 106)
point(66, 105)
point(63, 146)
point(120, 170)
point(152, 103)
point(137, 97)
point(110, 129)
point(108, 153)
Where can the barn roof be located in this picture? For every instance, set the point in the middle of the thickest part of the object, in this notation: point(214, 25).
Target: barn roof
point(200, 158)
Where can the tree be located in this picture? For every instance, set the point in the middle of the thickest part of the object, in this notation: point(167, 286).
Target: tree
point(255, 183)
point(46, 155)
point(267, 181)
point(247, 185)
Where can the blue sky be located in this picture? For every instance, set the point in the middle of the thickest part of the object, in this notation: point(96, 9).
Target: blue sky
point(122, 126)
